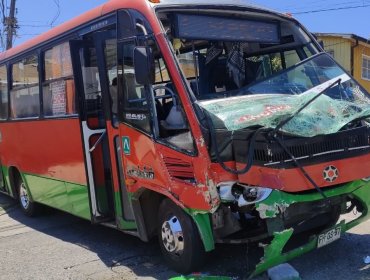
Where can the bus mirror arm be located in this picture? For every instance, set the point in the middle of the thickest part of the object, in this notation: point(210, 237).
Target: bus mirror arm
point(98, 141)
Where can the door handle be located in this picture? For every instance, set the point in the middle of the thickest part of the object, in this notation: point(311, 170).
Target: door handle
point(98, 141)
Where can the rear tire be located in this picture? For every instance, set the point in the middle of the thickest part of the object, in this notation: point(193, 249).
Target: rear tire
point(29, 208)
point(179, 239)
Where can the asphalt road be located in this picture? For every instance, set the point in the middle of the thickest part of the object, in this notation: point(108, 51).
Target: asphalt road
point(60, 246)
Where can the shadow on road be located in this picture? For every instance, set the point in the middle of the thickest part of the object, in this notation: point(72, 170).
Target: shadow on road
point(120, 251)
point(116, 249)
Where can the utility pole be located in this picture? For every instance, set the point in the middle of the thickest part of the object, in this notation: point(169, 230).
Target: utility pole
point(11, 26)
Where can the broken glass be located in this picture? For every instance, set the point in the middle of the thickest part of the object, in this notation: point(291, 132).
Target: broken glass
point(270, 101)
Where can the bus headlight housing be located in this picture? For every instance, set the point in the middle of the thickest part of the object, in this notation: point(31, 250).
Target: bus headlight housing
point(243, 195)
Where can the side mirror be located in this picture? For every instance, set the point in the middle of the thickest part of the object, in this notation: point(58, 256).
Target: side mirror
point(144, 65)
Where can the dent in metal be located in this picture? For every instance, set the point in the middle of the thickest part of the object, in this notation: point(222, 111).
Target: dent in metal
point(214, 198)
point(201, 141)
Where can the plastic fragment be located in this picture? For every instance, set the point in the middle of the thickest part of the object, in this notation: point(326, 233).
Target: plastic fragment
point(283, 272)
point(201, 276)
point(367, 260)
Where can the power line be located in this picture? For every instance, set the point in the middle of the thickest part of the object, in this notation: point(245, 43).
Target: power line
point(56, 2)
point(320, 5)
point(331, 9)
point(28, 34)
point(33, 25)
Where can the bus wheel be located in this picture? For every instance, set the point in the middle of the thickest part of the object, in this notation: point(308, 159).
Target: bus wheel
point(179, 238)
point(28, 207)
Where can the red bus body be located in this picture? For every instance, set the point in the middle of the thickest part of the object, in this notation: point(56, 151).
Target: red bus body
point(120, 175)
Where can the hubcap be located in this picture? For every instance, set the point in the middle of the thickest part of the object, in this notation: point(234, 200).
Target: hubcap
point(172, 236)
point(24, 196)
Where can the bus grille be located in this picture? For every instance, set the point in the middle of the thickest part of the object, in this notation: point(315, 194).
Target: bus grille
point(307, 150)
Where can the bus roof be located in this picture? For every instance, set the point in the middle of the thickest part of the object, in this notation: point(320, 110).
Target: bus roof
point(217, 3)
point(243, 3)
point(143, 5)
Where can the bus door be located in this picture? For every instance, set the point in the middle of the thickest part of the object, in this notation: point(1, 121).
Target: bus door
point(95, 66)
point(107, 59)
point(96, 126)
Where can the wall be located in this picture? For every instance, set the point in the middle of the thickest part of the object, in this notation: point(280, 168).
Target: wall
point(342, 50)
point(359, 51)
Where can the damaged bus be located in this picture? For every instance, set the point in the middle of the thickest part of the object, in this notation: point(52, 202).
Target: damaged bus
point(196, 123)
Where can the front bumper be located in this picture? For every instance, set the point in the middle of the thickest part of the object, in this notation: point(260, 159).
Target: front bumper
point(278, 202)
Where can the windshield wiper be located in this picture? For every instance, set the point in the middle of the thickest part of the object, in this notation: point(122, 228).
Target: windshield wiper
point(273, 133)
point(285, 121)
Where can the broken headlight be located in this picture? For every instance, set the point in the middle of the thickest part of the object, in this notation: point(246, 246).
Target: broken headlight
point(243, 195)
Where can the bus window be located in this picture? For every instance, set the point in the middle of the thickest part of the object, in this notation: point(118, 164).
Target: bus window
point(24, 96)
point(92, 88)
point(172, 123)
point(291, 58)
point(58, 87)
point(3, 93)
point(110, 52)
point(136, 109)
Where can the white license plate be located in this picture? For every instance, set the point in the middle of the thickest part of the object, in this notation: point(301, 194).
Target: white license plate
point(328, 237)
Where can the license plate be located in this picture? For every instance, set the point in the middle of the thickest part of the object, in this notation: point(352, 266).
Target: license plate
point(328, 237)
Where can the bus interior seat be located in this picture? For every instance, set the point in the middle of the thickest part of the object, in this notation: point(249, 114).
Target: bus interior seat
point(164, 105)
point(170, 115)
point(253, 71)
point(213, 76)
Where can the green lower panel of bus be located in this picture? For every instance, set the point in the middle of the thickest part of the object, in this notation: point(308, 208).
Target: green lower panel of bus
point(69, 197)
point(66, 196)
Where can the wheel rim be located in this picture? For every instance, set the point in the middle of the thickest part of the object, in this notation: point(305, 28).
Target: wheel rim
point(172, 236)
point(25, 202)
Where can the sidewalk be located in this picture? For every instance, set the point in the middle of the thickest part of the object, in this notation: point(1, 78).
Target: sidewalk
point(6, 203)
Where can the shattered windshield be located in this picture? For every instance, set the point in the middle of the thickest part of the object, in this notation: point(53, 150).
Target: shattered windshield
point(268, 102)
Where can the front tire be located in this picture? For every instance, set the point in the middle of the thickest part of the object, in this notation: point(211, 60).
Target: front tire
point(179, 239)
point(29, 208)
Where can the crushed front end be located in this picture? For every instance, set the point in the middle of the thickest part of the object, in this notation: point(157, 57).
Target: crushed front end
point(287, 129)
point(287, 225)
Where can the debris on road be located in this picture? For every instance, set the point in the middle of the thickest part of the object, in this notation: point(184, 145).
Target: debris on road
point(201, 277)
point(283, 272)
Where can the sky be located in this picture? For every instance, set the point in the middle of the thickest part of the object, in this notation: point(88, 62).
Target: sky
point(337, 17)
point(37, 16)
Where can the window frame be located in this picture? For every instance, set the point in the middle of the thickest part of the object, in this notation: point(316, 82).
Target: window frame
point(43, 82)
point(123, 101)
point(8, 92)
point(13, 62)
point(366, 57)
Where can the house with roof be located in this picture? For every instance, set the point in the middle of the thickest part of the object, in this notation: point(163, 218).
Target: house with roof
point(352, 52)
